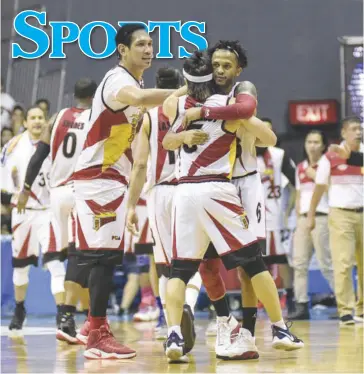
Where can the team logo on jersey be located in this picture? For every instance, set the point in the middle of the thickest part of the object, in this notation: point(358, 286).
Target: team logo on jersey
point(244, 220)
point(103, 219)
point(342, 167)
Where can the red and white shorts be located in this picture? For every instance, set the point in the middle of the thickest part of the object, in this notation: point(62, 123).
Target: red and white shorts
point(100, 214)
point(145, 234)
point(204, 212)
point(251, 192)
point(160, 204)
point(62, 205)
point(32, 229)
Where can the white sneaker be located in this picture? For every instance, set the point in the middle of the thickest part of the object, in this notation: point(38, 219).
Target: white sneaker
point(242, 347)
point(211, 328)
point(225, 327)
point(146, 314)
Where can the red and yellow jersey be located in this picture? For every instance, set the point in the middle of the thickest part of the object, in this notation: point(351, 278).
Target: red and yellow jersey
point(113, 125)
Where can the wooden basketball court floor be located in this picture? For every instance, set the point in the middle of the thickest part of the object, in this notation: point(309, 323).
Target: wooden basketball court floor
point(328, 349)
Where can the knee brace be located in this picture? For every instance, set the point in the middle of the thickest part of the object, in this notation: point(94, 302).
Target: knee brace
point(254, 266)
point(56, 268)
point(21, 276)
point(211, 278)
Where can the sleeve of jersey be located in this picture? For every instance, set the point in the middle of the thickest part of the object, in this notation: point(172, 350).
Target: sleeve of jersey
point(243, 108)
point(323, 171)
point(110, 89)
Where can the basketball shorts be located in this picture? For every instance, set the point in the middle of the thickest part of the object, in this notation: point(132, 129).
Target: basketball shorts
point(209, 211)
point(30, 230)
point(160, 204)
point(100, 215)
point(62, 205)
point(251, 193)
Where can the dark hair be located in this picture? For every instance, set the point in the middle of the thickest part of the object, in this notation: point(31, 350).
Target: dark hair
point(125, 34)
point(351, 119)
point(29, 109)
point(18, 107)
point(6, 129)
point(323, 139)
point(85, 88)
point(233, 46)
point(198, 65)
point(168, 78)
point(42, 100)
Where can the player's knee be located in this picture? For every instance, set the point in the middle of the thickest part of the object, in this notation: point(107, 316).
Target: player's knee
point(211, 278)
point(21, 276)
point(58, 273)
point(254, 266)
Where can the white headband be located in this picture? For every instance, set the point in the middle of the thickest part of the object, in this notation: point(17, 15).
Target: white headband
point(194, 79)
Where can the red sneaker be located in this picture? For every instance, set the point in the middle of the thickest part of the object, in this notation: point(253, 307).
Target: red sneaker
point(102, 344)
point(82, 336)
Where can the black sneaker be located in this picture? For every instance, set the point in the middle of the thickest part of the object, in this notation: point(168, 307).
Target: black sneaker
point(174, 347)
point(17, 321)
point(59, 315)
point(188, 328)
point(67, 329)
point(285, 340)
point(347, 320)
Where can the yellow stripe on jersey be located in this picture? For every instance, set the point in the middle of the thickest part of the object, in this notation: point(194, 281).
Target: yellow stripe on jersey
point(12, 143)
point(232, 157)
point(117, 143)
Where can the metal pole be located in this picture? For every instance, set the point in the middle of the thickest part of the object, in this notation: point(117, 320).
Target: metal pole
point(9, 73)
point(64, 64)
point(342, 80)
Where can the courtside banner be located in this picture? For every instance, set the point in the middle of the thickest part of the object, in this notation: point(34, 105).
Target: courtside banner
point(31, 25)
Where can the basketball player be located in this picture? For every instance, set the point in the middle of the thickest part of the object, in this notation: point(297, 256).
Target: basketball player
point(157, 166)
point(63, 140)
point(228, 61)
point(207, 208)
point(33, 224)
point(101, 178)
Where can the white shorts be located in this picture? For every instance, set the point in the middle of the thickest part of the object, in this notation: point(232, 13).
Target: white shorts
point(204, 212)
point(100, 214)
point(145, 234)
point(30, 230)
point(251, 193)
point(160, 201)
point(279, 242)
point(62, 205)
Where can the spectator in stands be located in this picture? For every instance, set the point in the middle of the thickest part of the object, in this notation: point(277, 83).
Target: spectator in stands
point(17, 119)
point(45, 105)
point(7, 105)
point(6, 134)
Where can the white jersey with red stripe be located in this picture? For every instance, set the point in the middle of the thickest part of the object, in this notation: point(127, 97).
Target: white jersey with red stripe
point(107, 150)
point(215, 158)
point(161, 163)
point(246, 159)
point(15, 159)
point(274, 181)
point(67, 140)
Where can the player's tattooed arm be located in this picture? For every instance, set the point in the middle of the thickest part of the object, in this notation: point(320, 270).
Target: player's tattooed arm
point(138, 174)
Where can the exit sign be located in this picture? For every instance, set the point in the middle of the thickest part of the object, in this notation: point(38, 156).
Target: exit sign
point(313, 112)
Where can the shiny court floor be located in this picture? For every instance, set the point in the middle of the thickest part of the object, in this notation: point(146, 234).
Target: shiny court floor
point(328, 349)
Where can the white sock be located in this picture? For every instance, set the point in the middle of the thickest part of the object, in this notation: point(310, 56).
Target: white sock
point(280, 324)
point(231, 321)
point(176, 329)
